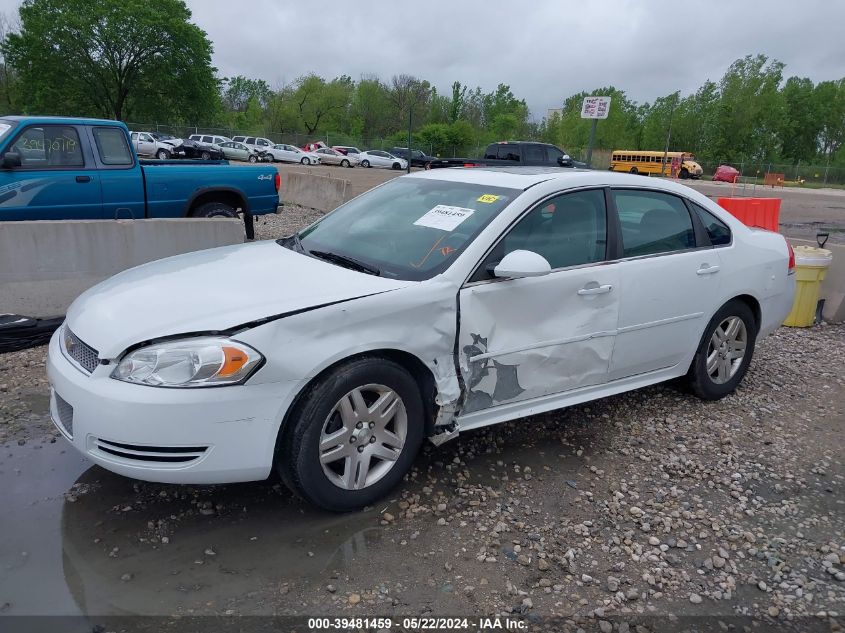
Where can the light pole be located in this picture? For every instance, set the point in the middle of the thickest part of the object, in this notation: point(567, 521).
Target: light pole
point(668, 134)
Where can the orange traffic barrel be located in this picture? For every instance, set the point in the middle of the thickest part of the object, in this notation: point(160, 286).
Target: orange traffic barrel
point(757, 212)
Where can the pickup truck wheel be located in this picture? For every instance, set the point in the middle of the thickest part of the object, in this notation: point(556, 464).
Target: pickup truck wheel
point(205, 155)
point(162, 154)
point(344, 163)
point(353, 435)
point(214, 210)
point(365, 163)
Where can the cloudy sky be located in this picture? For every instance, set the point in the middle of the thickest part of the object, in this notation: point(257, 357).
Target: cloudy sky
point(544, 49)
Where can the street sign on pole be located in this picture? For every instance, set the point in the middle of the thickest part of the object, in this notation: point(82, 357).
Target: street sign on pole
point(594, 108)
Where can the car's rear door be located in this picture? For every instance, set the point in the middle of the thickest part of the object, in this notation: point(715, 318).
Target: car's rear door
point(669, 281)
point(57, 177)
point(521, 339)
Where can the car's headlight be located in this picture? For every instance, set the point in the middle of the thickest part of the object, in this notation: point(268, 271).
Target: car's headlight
point(190, 362)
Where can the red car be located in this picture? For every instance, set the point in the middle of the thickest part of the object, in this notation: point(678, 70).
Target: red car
point(726, 173)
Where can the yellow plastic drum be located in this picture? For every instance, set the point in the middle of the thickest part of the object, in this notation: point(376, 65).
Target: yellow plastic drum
point(811, 265)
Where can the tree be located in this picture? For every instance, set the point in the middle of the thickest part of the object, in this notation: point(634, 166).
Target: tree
point(113, 58)
point(237, 92)
point(316, 100)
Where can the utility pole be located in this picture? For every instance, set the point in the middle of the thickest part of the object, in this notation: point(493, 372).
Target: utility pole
point(410, 124)
point(668, 134)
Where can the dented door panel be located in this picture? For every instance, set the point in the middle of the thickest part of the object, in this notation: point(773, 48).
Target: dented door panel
point(525, 338)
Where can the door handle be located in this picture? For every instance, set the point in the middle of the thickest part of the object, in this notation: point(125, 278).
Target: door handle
point(595, 290)
point(83, 179)
point(707, 270)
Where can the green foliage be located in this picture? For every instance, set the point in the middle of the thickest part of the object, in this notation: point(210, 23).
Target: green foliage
point(112, 58)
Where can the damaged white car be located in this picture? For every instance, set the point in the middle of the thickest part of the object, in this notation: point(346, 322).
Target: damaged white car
point(438, 302)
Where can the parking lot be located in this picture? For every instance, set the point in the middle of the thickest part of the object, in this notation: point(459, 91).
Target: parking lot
point(631, 508)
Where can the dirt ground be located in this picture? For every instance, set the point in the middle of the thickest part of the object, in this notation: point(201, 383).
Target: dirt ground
point(804, 212)
point(640, 512)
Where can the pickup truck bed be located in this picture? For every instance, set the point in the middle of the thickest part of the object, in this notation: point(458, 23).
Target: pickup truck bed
point(57, 168)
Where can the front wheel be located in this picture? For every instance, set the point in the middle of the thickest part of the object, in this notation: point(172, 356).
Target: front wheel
point(684, 174)
point(344, 163)
point(305, 161)
point(724, 352)
point(205, 155)
point(397, 166)
point(162, 154)
point(252, 158)
point(353, 435)
point(365, 163)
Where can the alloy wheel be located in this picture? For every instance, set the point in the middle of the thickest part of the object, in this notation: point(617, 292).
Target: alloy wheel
point(726, 350)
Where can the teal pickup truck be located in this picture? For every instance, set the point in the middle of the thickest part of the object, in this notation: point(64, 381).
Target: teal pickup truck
point(59, 168)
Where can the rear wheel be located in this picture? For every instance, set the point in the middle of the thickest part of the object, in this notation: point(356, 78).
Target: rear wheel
point(353, 435)
point(724, 352)
point(634, 170)
point(215, 210)
point(344, 163)
point(205, 155)
point(253, 158)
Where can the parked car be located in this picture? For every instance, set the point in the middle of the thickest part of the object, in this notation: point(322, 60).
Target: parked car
point(292, 154)
point(570, 286)
point(146, 144)
point(346, 150)
point(258, 143)
point(200, 151)
point(515, 153)
point(329, 156)
point(379, 158)
point(209, 139)
point(726, 173)
point(238, 151)
point(418, 157)
point(58, 168)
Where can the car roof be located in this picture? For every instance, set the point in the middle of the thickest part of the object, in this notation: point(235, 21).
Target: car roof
point(526, 177)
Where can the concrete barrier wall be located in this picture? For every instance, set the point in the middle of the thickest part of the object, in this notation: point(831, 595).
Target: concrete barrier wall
point(833, 286)
point(314, 191)
point(45, 265)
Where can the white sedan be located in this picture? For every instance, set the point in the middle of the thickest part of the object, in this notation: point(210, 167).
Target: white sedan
point(438, 302)
point(285, 153)
point(379, 158)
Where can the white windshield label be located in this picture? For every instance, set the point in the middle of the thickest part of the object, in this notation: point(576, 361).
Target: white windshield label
point(444, 217)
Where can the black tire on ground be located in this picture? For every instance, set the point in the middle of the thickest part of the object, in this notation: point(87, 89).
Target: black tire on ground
point(365, 163)
point(634, 170)
point(397, 166)
point(253, 158)
point(344, 163)
point(684, 174)
point(699, 379)
point(214, 210)
point(205, 155)
point(162, 154)
point(305, 161)
point(297, 448)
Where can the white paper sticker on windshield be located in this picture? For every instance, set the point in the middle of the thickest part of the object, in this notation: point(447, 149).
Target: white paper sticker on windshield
point(444, 217)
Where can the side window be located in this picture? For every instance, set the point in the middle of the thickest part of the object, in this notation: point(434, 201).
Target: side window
point(568, 230)
point(49, 146)
point(490, 153)
point(652, 222)
point(508, 152)
point(720, 234)
point(535, 153)
point(250, 140)
point(112, 147)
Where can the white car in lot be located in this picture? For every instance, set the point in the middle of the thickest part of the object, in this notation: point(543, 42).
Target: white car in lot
point(379, 158)
point(438, 302)
point(285, 153)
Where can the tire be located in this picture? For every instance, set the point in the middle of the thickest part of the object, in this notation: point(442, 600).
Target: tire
point(162, 154)
point(205, 155)
point(316, 417)
point(252, 158)
point(684, 174)
point(634, 170)
point(397, 166)
point(305, 161)
point(729, 370)
point(365, 163)
point(214, 210)
point(344, 163)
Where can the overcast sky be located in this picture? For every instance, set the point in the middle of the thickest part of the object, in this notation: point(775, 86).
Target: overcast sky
point(545, 50)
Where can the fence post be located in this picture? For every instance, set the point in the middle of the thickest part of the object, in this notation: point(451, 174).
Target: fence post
point(798, 171)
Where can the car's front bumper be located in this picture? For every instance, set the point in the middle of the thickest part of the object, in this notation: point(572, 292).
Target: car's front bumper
point(200, 435)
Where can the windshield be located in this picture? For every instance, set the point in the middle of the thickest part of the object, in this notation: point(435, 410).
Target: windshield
point(409, 228)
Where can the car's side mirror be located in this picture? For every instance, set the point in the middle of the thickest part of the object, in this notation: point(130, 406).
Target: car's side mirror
point(518, 264)
point(11, 160)
point(565, 160)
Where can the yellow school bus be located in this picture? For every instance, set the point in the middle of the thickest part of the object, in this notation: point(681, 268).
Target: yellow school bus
point(643, 162)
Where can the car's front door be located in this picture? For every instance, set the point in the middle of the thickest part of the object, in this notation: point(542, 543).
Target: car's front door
point(669, 282)
point(57, 177)
point(521, 339)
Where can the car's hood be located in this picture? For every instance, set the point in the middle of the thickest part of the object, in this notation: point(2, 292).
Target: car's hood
point(211, 290)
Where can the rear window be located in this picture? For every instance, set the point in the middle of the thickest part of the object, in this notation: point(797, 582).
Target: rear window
point(112, 146)
point(720, 234)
